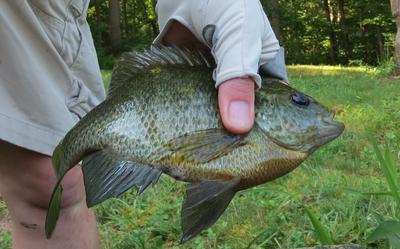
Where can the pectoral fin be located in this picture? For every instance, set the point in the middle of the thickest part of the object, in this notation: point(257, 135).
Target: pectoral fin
point(106, 175)
point(204, 146)
point(204, 203)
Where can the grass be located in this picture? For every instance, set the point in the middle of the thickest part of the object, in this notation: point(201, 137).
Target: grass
point(273, 215)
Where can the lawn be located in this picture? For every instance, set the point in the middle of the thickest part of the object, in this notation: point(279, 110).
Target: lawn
point(272, 215)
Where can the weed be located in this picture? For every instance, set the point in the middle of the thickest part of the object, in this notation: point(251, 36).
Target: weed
point(388, 229)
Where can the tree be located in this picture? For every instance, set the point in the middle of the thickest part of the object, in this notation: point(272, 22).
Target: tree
point(115, 26)
point(395, 6)
point(275, 18)
point(330, 17)
point(345, 30)
point(312, 32)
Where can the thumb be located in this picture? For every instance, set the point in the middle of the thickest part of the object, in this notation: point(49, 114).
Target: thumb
point(236, 104)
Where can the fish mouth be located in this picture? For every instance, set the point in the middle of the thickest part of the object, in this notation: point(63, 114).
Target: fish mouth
point(335, 128)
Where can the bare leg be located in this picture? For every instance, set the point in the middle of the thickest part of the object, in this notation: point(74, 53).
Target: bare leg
point(26, 182)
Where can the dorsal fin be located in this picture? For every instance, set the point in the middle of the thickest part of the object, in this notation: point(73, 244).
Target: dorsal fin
point(133, 62)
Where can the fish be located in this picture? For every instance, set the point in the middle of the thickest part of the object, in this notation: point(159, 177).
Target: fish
point(161, 116)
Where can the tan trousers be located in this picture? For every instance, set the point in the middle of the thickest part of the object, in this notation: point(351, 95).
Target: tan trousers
point(49, 74)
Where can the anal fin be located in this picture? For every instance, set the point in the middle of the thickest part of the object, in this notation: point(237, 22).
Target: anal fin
point(106, 175)
point(204, 203)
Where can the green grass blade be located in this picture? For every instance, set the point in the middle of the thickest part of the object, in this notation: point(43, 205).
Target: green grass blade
point(391, 165)
point(389, 175)
point(258, 237)
point(321, 232)
point(394, 241)
point(378, 193)
point(385, 230)
point(357, 192)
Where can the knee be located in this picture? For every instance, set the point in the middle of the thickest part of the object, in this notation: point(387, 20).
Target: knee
point(28, 177)
point(73, 189)
point(42, 183)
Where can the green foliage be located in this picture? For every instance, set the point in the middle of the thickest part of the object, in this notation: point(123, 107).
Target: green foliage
point(138, 25)
point(321, 232)
point(362, 32)
point(106, 61)
point(388, 229)
point(106, 78)
point(5, 237)
point(5, 240)
point(387, 67)
point(389, 167)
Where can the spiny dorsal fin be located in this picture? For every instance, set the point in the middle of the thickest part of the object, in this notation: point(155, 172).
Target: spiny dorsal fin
point(133, 62)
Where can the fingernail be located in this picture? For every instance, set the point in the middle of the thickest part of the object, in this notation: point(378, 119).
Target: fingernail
point(239, 113)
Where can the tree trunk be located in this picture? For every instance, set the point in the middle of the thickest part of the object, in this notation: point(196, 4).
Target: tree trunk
point(115, 26)
point(343, 23)
point(381, 45)
point(97, 12)
point(134, 19)
point(395, 5)
point(333, 51)
point(125, 15)
point(275, 18)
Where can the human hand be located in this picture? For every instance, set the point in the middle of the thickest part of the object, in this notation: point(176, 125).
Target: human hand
point(241, 40)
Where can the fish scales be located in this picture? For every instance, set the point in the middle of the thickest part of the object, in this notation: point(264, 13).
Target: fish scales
point(127, 126)
point(161, 116)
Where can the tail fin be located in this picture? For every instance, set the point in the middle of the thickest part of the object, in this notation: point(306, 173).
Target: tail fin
point(204, 203)
point(53, 211)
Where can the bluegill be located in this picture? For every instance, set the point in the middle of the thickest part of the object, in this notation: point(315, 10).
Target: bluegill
point(161, 116)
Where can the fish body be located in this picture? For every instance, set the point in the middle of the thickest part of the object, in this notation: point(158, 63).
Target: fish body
point(161, 116)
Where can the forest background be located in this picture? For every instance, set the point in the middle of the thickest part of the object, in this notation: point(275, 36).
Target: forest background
point(345, 32)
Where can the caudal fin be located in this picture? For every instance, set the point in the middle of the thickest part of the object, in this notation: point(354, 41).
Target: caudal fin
point(53, 211)
point(204, 203)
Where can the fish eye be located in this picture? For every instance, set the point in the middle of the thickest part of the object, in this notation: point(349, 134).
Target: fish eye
point(300, 99)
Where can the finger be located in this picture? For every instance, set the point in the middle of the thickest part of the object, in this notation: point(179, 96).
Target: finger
point(236, 104)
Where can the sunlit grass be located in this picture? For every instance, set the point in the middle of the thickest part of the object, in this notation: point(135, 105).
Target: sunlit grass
point(272, 215)
point(330, 70)
point(106, 77)
point(5, 240)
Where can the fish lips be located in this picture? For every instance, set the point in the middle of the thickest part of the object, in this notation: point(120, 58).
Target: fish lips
point(334, 129)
